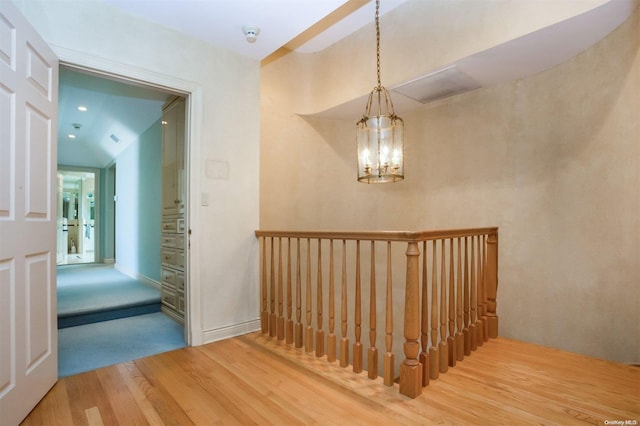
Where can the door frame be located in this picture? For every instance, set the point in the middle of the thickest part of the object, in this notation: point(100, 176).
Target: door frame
point(193, 94)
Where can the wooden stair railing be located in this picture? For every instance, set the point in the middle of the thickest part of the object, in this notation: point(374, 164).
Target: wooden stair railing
point(449, 310)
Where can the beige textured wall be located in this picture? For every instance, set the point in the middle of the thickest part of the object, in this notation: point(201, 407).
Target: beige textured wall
point(553, 160)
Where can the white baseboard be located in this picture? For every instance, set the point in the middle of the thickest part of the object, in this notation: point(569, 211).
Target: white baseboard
point(139, 277)
point(221, 333)
point(108, 260)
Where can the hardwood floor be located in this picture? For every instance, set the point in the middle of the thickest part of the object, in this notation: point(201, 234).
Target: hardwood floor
point(252, 380)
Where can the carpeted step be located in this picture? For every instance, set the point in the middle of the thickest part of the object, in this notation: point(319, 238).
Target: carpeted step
point(95, 293)
point(73, 320)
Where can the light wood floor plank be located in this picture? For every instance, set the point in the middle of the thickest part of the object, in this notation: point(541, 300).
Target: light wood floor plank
point(120, 396)
point(127, 373)
point(253, 380)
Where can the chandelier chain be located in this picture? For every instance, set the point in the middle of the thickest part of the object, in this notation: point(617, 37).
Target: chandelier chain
point(378, 42)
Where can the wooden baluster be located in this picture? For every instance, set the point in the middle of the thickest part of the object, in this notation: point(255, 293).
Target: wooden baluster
point(472, 326)
point(320, 330)
point(372, 352)
point(331, 341)
point(298, 326)
point(485, 318)
point(388, 359)
point(467, 316)
point(280, 331)
point(424, 319)
point(272, 318)
point(459, 322)
point(411, 369)
point(479, 323)
point(264, 316)
point(443, 348)
point(434, 354)
point(451, 341)
point(308, 338)
point(344, 341)
point(491, 283)
point(289, 324)
point(357, 346)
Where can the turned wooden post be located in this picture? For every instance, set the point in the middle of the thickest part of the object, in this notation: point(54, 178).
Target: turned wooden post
point(451, 343)
point(459, 321)
point(372, 352)
point(472, 326)
point(273, 317)
point(264, 316)
point(424, 319)
point(357, 346)
point(308, 338)
point(411, 369)
point(479, 277)
point(320, 330)
point(434, 353)
point(467, 318)
point(298, 326)
point(443, 347)
point(491, 284)
point(289, 323)
point(483, 298)
point(280, 331)
point(344, 340)
point(388, 362)
point(331, 340)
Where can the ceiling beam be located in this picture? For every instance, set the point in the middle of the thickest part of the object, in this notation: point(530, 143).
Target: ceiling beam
point(322, 25)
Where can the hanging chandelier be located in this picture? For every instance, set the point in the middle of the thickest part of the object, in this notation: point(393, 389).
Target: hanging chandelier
point(380, 137)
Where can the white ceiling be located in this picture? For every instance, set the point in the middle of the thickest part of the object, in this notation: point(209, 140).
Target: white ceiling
point(220, 22)
point(113, 108)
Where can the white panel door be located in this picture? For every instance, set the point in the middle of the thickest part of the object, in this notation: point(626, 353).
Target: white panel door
point(28, 110)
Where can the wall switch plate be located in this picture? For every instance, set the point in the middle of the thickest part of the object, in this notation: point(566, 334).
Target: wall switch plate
point(204, 199)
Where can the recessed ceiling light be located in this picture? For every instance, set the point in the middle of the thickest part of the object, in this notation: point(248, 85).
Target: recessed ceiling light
point(72, 136)
point(82, 108)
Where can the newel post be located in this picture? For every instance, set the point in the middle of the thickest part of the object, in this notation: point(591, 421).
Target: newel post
point(491, 283)
point(411, 369)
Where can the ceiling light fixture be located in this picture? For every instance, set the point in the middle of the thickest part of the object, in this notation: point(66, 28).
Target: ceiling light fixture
point(380, 138)
point(82, 108)
point(71, 136)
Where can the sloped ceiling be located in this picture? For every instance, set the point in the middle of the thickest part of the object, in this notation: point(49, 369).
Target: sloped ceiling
point(117, 113)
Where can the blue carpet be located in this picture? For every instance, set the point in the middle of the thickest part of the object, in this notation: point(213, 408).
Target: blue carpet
point(98, 292)
point(91, 346)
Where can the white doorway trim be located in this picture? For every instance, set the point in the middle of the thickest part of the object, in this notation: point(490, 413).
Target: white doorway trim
point(194, 94)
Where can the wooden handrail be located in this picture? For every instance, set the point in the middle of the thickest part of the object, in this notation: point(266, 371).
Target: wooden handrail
point(449, 310)
point(400, 236)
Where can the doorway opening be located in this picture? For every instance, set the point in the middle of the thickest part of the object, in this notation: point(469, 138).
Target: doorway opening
point(128, 205)
point(78, 219)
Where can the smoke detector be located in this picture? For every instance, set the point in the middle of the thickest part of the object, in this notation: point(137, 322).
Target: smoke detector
point(251, 32)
